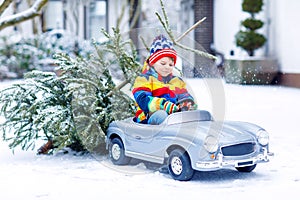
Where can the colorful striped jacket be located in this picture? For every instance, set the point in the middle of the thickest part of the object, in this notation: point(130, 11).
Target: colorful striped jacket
point(151, 91)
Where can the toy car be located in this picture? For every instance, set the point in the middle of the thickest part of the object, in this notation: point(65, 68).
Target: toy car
point(189, 141)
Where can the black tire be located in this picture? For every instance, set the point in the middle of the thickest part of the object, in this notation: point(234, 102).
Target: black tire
point(246, 169)
point(179, 165)
point(117, 152)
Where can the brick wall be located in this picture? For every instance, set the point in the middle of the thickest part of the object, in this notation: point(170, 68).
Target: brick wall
point(204, 32)
point(203, 36)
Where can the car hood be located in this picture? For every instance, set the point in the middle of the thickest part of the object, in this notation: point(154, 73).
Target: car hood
point(229, 132)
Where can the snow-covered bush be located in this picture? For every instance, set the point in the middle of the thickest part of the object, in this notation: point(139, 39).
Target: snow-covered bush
point(21, 55)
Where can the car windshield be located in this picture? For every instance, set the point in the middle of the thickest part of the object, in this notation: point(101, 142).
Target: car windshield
point(188, 116)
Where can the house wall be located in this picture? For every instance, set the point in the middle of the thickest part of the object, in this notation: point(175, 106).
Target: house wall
point(287, 31)
point(281, 28)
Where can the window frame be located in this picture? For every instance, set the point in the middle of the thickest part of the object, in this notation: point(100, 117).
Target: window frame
point(87, 18)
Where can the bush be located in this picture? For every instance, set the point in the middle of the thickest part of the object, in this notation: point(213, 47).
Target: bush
point(21, 55)
point(252, 24)
point(249, 39)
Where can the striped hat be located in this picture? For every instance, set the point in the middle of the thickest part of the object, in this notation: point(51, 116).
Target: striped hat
point(161, 47)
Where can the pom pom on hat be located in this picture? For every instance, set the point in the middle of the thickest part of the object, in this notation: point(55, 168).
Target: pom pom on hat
point(161, 47)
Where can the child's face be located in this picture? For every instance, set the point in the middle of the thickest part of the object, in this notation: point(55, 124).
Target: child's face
point(164, 66)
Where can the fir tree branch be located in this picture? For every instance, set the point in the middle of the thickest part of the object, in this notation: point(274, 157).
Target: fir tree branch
point(168, 30)
point(119, 19)
point(134, 13)
point(190, 29)
point(198, 52)
point(145, 44)
point(165, 15)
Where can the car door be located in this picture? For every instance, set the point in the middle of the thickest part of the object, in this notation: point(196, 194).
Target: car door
point(142, 138)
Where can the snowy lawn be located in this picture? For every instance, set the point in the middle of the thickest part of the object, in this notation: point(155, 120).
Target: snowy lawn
point(25, 175)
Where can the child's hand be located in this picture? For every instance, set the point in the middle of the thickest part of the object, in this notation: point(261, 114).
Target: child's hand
point(170, 107)
point(187, 105)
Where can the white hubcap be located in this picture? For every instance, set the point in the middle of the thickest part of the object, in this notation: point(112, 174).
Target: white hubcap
point(176, 165)
point(115, 151)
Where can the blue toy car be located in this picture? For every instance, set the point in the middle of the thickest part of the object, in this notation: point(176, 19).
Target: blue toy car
point(189, 141)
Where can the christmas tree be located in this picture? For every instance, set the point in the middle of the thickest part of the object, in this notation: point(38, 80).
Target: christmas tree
point(75, 108)
point(37, 108)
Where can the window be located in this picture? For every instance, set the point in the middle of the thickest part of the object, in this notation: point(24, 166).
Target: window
point(96, 19)
point(53, 16)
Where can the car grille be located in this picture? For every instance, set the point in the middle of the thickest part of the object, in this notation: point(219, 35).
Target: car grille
point(238, 149)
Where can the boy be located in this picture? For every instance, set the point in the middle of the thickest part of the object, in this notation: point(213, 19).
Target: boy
point(156, 91)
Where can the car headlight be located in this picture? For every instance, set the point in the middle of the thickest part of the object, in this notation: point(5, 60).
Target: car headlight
point(211, 144)
point(263, 137)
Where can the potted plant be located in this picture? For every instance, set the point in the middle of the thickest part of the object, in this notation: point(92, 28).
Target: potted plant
point(251, 70)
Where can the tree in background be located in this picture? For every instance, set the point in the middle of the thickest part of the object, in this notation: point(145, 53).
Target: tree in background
point(33, 11)
point(249, 39)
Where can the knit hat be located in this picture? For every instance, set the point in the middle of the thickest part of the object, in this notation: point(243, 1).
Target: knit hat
point(161, 47)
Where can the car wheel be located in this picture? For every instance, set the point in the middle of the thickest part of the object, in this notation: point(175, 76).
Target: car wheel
point(246, 169)
point(117, 152)
point(179, 165)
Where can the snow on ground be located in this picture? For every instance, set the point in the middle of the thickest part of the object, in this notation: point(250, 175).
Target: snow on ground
point(25, 175)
